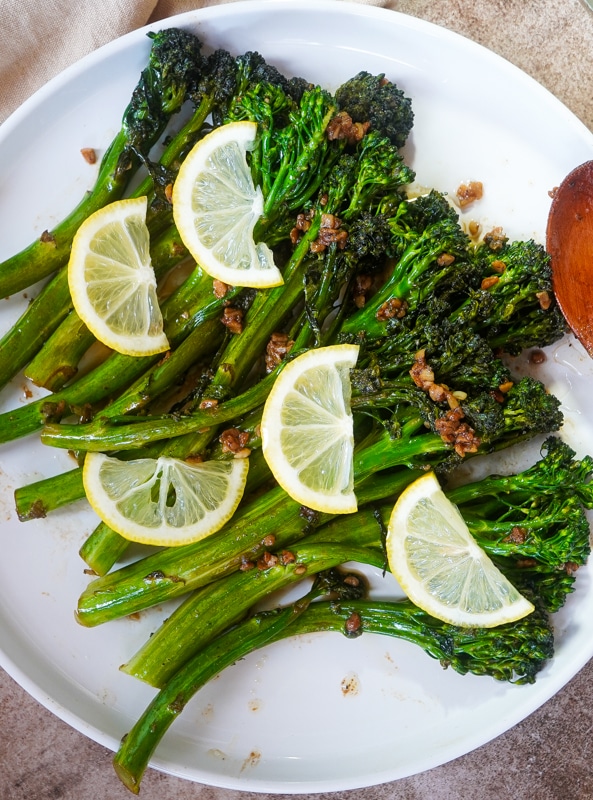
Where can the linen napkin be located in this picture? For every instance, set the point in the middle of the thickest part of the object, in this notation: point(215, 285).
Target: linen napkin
point(40, 38)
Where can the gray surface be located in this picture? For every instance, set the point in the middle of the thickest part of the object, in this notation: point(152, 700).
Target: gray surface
point(547, 756)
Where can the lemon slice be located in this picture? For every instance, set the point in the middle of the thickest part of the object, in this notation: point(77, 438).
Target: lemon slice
point(440, 567)
point(163, 501)
point(112, 282)
point(216, 207)
point(306, 429)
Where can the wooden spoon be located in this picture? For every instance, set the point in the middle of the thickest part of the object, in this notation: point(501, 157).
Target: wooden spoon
point(569, 241)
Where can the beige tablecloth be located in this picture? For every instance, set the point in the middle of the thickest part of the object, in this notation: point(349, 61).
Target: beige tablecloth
point(39, 38)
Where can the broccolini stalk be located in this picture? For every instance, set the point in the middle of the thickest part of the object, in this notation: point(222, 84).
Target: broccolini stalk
point(36, 500)
point(533, 524)
point(58, 360)
point(51, 251)
point(222, 80)
point(268, 310)
point(498, 290)
point(428, 244)
point(515, 652)
point(297, 157)
point(382, 174)
point(173, 68)
point(104, 547)
point(29, 333)
point(524, 312)
point(209, 611)
point(190, 306)
point(138, 746)
point(550, 585)
point(175, 571)
point(555, 533)
point(479, 425)
point(110, 431)
point(373, 99)
point(55, 360)
point(558, 469)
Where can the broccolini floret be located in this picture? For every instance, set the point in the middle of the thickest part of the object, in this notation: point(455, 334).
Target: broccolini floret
point(174, 67)
point(374, 99)
point(524, 312)
point(537, 514)
point(426, 248)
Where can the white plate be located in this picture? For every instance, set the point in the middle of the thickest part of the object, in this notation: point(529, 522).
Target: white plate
point(280, 721)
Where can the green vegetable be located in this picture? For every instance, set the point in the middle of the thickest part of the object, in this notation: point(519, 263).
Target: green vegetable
point(172, 69)
point(175, 571)
point(523, 521)
point(373, 99)
point(54, 362)
point(180, 569)
point(431, 310)
point(534, 524)
point(191, 306)
point(514, 652)
point(133, 757)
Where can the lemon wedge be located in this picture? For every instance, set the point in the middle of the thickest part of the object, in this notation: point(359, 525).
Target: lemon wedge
point(163, 501)
point(307, 429)
point(111, 280)
point(216, 207)
point(440, 567)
